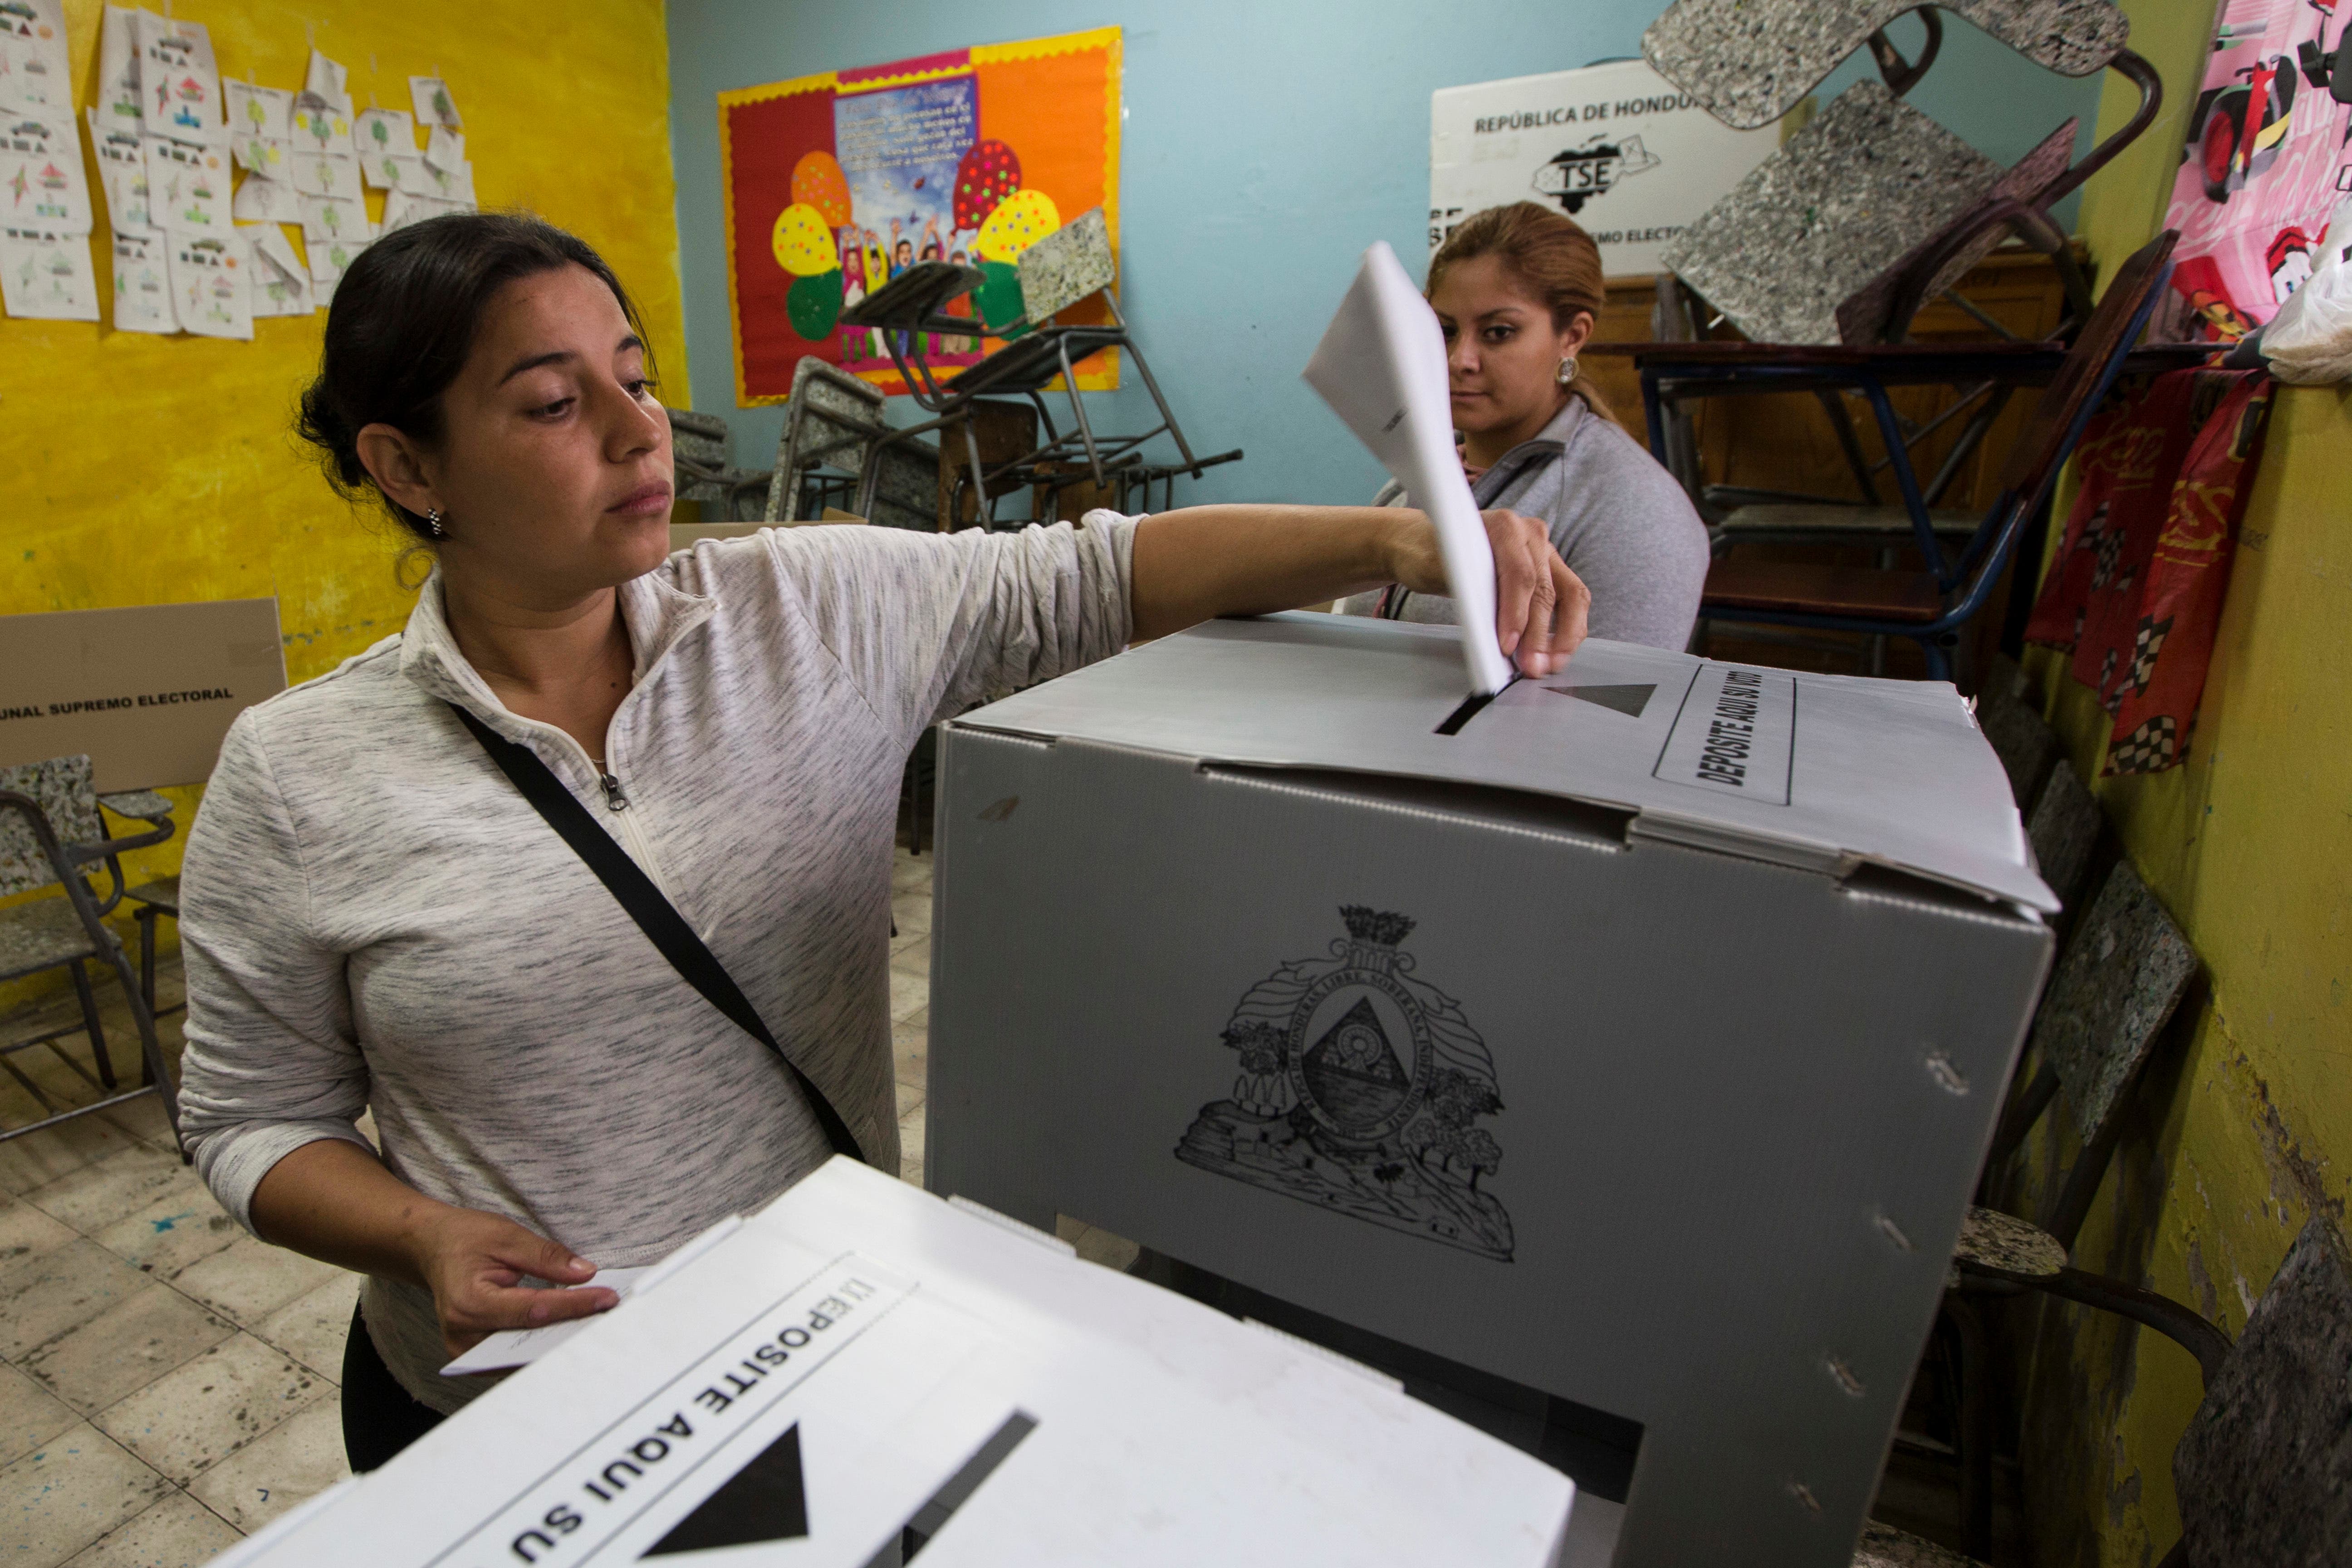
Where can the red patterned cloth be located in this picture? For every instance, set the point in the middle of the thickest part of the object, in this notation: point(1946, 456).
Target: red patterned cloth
point(2137, 589)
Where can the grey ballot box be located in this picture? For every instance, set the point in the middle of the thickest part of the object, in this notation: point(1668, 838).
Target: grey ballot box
point(1638, 1041)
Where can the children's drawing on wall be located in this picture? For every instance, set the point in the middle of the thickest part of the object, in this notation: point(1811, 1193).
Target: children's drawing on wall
point(435, 106)
point(181, 83)
point(34, 75)
point(208, 287)
point(40, 176)
point(188, 187)
point(143, 284)
point(196, 248)
point(261, 198)
point(123, 173)
point(121, 99)
point(838, 184)
point(47, 275)
point(2268, 152)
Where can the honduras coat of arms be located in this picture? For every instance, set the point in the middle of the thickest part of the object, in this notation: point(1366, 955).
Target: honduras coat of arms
point(1361, 1089)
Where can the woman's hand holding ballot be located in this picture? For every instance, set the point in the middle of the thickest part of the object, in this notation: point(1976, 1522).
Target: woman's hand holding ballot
point(334, 1200)
point(1201, 561)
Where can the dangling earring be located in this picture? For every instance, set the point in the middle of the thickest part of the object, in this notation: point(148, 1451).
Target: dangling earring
point(1567, 370)
point(433, 524)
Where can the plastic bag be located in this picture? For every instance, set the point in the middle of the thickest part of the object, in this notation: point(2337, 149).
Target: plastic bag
point(2309, 341)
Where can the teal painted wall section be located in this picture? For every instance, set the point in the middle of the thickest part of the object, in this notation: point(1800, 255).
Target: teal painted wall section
point(1266, 147)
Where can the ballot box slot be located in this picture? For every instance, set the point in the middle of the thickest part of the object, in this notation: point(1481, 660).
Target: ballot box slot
point(1595, 1448)
point(940, 1506)
point(1583, 823)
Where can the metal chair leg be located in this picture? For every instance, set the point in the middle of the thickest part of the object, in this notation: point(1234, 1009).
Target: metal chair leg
point(983, 511)
point(146, 919)
point(1167, 415)
point(1078, 408)
point(150, 1050)
point(90, 1023)
point(1974, 1430)
point(1848, 443)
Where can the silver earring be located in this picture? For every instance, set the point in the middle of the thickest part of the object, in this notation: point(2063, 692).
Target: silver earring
point(433, 524)
point(1567, 370)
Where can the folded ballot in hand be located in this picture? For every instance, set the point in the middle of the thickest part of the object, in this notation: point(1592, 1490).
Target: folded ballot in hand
point(1382, 367)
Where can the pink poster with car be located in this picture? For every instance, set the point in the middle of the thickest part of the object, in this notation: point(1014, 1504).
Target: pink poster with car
point(2265, 160)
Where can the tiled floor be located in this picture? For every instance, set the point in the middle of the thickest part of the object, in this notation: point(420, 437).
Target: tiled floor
point(167, 1383)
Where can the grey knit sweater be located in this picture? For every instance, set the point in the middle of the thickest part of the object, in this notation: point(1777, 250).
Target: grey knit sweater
point(376, 920)
point(1617, 518)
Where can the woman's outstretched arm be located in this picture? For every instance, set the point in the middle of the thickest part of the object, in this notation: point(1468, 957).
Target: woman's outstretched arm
point(1199, 563)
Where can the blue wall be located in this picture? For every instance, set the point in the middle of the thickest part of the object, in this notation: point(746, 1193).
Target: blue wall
point(1265, 146)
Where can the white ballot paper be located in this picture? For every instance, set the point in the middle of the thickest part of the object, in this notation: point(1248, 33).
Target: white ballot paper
point(143, 284)
point(47, 276)
point(40, 174)
point(33, 70)
point(861, 1359)
point(1382, 367)
point(521, 1347)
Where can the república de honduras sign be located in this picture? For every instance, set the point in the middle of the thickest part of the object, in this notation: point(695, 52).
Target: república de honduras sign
point(1616, 147)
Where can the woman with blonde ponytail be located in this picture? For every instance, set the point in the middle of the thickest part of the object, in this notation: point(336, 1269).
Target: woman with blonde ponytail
point(1517, 290)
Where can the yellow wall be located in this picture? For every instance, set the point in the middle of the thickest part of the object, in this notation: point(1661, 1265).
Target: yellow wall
point(2246, 1131)
point(147, 471)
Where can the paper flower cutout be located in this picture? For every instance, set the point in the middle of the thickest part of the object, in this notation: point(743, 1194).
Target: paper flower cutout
point(802, 244)
point(818, 181)
point(1019, 221)
point(988, 174)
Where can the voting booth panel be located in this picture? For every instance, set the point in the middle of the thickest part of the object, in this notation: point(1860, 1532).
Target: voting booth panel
point(862, 1366)
point(1572, 1045)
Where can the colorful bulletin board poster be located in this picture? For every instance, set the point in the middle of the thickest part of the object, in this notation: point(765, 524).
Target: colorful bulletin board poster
point(835, 183)
point(2265, 161)
point(1618, 147)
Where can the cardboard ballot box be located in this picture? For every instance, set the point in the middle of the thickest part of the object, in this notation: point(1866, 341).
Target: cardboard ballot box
point(862, 1367)
point(1637, 1041)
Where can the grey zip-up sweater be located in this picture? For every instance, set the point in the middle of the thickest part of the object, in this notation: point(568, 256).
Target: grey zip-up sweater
point(1618, 519)
point(374, 919)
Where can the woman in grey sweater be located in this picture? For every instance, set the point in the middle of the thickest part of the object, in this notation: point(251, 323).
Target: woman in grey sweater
point(376, 919)
point(1517, 290)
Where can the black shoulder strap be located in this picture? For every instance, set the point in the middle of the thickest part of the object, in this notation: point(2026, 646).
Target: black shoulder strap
point(655, 915)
